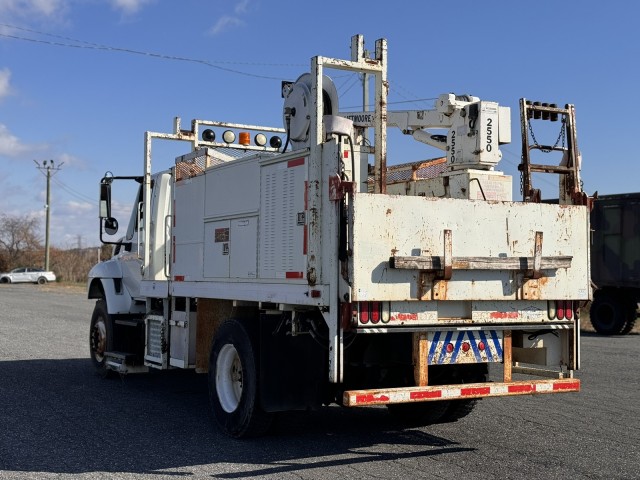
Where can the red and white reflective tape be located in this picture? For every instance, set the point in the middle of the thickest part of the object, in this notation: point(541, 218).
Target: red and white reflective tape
point(357, 398)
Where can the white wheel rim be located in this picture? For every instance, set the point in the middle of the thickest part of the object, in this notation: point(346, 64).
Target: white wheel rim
point(99, 340)
point(229, 378)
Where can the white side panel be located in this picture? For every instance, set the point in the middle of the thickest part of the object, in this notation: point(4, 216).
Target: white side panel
point(190, 260)
point(283, 220)
point(183, 339)
point(188, 229)
point(216, 249)
point(232, 188)
point(160, 227)
point(388, 225)
point(243, 248)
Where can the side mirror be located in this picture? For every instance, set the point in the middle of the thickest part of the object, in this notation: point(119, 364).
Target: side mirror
point(110, 226)
point(105, 200)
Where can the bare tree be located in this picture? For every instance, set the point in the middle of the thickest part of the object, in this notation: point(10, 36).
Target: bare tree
point(74, 264)
point(19, 239)
point(21, 246)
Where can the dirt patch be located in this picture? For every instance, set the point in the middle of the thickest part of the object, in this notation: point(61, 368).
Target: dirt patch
point(63, 287)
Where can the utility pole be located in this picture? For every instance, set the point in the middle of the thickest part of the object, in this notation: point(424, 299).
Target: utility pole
point(47, 168)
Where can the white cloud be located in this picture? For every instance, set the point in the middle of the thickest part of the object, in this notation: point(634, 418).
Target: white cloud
point(227, 22)
point(81, 207)
point(5, 76)
point(31, 8)
point(10, 145)
point(71, 161)
point(129, 6)
point(242, 7)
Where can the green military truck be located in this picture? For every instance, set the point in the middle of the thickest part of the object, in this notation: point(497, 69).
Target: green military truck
point(615, 262)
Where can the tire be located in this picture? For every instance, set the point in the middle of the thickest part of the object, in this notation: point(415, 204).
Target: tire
point(426, 413)
point(233, 383)
point(42, 281)
point(5, 280)
point(608, 314)
point(459, 409)
point(100, 338)
point(631, 311)
point(628, 327)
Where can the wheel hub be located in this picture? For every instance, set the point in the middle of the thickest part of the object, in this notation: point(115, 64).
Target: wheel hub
point(99, 340)
point(229, 381)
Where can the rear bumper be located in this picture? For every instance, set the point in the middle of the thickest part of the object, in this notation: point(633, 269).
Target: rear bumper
point(358, 398)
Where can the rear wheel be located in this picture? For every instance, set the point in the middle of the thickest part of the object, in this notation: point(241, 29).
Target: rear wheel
point(608, 314)
point(42, 281)
point(233, 383)
point(631, 311)
point(100, 338)
point(442, 411)
point(459, 409)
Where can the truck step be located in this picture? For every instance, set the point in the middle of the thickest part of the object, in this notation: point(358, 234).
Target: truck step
point(124, 362)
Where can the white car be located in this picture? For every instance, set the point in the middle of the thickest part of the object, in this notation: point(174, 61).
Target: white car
point(27, 275)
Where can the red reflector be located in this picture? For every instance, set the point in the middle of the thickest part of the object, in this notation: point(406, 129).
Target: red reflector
point(425, 394)
point(291, 275)
point(475, 391)
point(481, 346)
point(567, 386)
point(449, 347)
point(370, 398)
point(568, 310)
point(315, 294)
point(179, 278)
point(375, 312)
point(466, 347)
point(521, 388)
point(560, 310)
point(364, 312)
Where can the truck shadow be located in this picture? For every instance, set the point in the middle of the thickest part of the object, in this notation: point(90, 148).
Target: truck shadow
point(58, 417)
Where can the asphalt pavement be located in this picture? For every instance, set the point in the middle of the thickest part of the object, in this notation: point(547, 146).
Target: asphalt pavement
point(60, 420)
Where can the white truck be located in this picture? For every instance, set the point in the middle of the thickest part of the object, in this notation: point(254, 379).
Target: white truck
point(301, 275)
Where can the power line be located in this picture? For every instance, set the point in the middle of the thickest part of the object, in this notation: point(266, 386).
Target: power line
point(75, 193)
point(81, 44)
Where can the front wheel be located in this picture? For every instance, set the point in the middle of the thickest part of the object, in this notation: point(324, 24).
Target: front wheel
point(100, 338)
point(233, 383)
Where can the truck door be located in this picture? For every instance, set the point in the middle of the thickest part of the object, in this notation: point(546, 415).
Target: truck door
point(129, 259)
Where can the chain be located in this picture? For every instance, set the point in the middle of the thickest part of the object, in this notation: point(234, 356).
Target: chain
point(561, 136)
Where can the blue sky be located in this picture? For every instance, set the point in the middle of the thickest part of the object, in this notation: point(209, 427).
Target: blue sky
point(79, 83)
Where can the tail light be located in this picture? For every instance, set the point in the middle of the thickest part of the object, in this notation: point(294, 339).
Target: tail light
point(562, 310)
point(373, 312)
